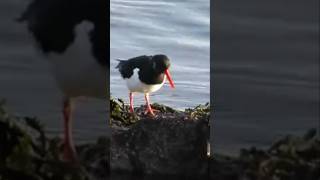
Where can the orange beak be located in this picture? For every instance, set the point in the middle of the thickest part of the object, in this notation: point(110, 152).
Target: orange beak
point(169, 78)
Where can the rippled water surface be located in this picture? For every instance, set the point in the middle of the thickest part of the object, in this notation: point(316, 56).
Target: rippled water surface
point(179, 29)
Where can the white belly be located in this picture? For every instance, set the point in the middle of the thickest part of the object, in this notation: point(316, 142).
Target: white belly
point(135, 85)
point(76, 71)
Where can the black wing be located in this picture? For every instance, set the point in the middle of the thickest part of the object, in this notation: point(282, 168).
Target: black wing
point(126, 67)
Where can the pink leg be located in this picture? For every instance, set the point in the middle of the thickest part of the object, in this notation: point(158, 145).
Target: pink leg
point(131, 102)
point(69, 152)
point(149, 109)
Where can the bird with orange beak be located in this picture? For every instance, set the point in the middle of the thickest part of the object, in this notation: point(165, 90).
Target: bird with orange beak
point(145, 74)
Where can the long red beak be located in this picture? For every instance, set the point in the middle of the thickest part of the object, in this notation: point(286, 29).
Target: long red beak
point(169, 78)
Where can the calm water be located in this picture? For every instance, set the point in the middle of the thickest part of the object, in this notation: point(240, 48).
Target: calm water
point(265, 73)
point(179, 29)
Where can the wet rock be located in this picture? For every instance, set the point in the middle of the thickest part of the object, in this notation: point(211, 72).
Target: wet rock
point(224, 168)
point(289, 158)
point(169, 146)
point(172, 143)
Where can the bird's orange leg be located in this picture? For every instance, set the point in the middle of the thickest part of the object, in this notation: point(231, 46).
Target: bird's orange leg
point(149, 108)
point(69, 153)
point(131, 102)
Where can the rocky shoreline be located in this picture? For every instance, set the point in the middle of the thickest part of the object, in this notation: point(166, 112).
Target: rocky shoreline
point(172, 143)
point(27, 153)
point(289, 158)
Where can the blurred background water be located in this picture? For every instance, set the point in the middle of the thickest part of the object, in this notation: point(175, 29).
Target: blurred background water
point(265, 71)
point(27, 84)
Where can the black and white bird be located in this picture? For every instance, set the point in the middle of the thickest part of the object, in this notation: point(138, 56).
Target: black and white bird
point(145, 74)
point(73, 36)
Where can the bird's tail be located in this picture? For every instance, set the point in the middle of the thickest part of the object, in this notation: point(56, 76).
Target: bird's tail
point(121, 61)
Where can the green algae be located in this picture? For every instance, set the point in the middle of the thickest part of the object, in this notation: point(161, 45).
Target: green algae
point(120, 111)
point(121, 116)
point(199, 112)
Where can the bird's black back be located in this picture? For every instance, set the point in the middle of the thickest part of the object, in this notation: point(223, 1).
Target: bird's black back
point(145, 64)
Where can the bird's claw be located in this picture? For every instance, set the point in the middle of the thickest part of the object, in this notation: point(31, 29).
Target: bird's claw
point(151, 111)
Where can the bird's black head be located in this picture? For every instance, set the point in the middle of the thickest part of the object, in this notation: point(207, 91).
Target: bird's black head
point(160, 63)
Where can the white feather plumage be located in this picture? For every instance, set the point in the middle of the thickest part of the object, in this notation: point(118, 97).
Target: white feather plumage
point(76, 70)
point(135, 85)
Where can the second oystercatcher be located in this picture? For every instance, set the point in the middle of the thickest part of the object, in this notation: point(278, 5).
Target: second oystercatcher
point(73, 36)
point(145, 74)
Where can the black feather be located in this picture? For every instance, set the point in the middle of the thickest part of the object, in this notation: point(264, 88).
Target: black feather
point(147, 73)
point(52, 24)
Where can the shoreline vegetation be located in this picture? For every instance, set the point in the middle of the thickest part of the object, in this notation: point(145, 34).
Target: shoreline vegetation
point(26, 152)
point(120, 115)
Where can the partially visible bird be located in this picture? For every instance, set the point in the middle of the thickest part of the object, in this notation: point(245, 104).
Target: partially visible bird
point(73, 36)
point(145, 74)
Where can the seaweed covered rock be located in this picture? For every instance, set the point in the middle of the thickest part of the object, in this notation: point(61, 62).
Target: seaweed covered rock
point(289, 158)
point(169, 146)
point(27, 153)
point(171, 143)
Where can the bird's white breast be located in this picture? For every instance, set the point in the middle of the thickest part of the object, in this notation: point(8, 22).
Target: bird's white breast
point(134, 84)
point(76, 70)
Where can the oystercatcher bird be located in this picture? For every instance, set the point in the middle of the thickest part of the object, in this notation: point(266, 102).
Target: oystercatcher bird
point(145, 74)
point(72, 34)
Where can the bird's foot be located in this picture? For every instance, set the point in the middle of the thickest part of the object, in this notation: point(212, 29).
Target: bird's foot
point(151, 111)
